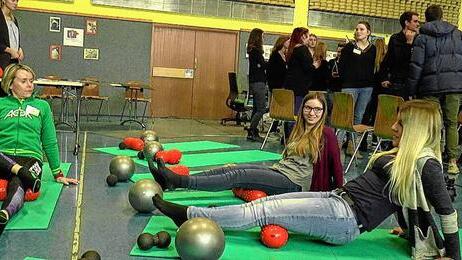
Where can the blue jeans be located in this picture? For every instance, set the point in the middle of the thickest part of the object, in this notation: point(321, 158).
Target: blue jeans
point(361, 97)
point(320, 215)
point(259, 91)
point(247, 176)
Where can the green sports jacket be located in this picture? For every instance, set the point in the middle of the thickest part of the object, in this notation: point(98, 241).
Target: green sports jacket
point(27, 129)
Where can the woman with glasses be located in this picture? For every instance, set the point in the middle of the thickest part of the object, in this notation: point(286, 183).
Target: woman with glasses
point(310, 162)
point(407, 179)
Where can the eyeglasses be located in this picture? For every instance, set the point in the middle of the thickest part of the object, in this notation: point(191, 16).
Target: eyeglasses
point(316, 110)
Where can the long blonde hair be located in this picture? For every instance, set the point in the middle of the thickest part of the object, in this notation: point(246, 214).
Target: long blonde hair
point(422, 124)
point(303, 142)
point(320, 51)
point(381, 50)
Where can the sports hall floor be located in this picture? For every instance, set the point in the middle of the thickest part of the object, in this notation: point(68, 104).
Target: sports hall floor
point(105, 220)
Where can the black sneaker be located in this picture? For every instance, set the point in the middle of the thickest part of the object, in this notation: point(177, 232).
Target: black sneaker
point(252, 135)
point(255, 138)
point(258, 139)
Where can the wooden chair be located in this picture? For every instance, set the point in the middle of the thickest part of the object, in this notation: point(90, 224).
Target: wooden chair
point(459, 120)
point(133, 95)
point(319, 92)
point(343, 118)
point(90, 92)
point(282, 109)
point(386, 116)
point(51, 92)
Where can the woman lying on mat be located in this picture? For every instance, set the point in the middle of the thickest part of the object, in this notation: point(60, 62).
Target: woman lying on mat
point(26, 128)
point(409, 177)
point(311, 161)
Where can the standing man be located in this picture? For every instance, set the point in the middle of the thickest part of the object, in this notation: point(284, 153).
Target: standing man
point(435, 73)
point(395, 66)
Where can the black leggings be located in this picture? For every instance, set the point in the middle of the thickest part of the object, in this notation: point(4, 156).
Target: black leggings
point(16, 190)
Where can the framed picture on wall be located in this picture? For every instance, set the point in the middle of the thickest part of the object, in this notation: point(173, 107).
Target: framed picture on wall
point(55, 24)
point(55, 52)
point(73, 37)
point(91, 27)
point(90, 54)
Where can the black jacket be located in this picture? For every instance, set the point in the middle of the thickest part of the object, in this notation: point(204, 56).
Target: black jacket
point(276, 71)
point(257, 66)
point(321, 77)
point(299, 71)
point(5, 42)
point(356, 67)
point(436, 61)
point(395, 65)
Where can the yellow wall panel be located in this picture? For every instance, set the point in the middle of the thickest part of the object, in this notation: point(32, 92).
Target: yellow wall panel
point(392, 8)
point(379, 8)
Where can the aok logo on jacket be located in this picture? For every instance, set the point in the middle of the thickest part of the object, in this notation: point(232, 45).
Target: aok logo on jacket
point(29, 112)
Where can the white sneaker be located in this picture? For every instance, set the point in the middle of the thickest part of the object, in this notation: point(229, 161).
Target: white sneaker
point(4, 217)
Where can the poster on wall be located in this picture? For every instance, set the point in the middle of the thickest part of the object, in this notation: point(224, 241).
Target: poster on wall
point(73, 37)
point(55, 24)
point(90, 54)
point(91, 27)
point(55, 52)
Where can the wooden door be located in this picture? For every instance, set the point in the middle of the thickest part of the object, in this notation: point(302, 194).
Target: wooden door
point(215, 55)
point(172, 48)
point(209, 55)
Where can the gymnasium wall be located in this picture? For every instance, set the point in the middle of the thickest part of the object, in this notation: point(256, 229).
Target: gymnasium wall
point(124, 51)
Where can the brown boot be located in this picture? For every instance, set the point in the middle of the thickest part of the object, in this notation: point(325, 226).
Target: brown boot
point(350, 150)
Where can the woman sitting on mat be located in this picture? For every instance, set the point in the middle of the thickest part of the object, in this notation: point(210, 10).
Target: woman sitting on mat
point(311, 161)
point(26, 128)
point(408, 177)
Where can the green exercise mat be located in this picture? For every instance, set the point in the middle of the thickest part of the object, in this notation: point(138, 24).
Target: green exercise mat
point(33, 258)
point(221, 158)
point(140, 176)
point(378, 244)
point(182, 146)
point(37, 214)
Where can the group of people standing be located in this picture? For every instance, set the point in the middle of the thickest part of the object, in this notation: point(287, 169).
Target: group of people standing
point(299, 63)
point(416, 63)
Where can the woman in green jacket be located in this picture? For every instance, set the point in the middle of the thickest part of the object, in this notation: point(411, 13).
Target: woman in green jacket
point(26, 130)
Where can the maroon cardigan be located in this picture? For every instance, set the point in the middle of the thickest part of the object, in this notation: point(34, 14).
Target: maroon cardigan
point(328, 171)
